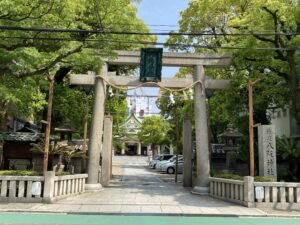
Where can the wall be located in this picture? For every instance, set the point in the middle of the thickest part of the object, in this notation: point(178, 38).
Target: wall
point(284, 122)
point(281, 119)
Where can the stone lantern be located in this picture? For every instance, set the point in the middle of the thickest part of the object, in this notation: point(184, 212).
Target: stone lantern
point(230, 137)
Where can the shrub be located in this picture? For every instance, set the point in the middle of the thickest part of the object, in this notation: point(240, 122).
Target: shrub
point(229, 176)
point(263, 179)
point(239, 177)
point(62, 173)
point(27, 173)
point(19, 173)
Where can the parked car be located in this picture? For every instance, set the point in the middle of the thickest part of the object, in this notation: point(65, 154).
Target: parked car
point(158, 158)
point(160, 163)
point(171, 167)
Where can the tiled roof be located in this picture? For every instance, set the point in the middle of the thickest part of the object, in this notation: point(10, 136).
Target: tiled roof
point(22, 136)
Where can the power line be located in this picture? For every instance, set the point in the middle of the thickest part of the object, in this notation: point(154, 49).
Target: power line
point(148, 43)
point(80, 31)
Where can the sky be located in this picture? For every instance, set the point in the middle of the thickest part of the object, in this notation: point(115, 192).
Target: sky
point(154, 13)
point(159, 12)
point(162, 12)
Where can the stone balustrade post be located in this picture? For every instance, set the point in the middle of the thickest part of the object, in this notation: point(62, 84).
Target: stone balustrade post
point(249, 191)
point(49, 186)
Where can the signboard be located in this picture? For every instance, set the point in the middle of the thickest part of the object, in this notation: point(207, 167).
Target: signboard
point(151, 64)
point(259, 193)
point(267, 151)
point(36, 189)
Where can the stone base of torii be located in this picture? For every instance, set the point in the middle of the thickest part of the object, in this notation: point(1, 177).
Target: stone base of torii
point(198, 81)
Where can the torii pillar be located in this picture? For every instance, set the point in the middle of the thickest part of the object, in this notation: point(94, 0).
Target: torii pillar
point(95, 141)
point(198, 62)
point(202, 144)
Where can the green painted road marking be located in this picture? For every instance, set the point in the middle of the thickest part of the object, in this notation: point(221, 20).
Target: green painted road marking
point(49, 218)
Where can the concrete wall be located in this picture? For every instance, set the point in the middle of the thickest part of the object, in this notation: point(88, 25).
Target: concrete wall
point(284, 122)
point(281, 119)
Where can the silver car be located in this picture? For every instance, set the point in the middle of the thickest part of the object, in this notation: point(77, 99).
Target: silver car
point(160, 163)
point(171, 167)
point(158, 158)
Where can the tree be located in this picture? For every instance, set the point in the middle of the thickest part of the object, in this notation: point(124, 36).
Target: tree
point(65, 151)
point(22, 97)
point(117, 107)
point(153, 131)
point(69, 104)
point(174, 113)
point(289, 148)
point(30, 55)
point(278, 67)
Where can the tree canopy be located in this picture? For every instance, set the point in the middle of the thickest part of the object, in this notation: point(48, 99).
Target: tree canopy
point(35, 52)
point(153, 130)
point(241, 27)
point(41, 38)
point(116, 106)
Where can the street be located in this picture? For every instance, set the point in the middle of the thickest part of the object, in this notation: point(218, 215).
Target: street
point(49, 218)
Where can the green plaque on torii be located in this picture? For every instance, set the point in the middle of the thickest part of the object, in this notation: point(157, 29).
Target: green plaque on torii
point(151, 64)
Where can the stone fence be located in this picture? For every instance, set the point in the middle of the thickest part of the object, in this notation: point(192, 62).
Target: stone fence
point(280, 195)
point(40, 189)
point(63, 186)
point(19, 188)
point(230, 190)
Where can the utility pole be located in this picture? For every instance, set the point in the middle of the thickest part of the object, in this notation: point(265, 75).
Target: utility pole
point(251, 125)
point(48, 124)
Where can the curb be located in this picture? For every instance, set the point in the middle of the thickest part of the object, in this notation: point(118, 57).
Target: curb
point(155, 214)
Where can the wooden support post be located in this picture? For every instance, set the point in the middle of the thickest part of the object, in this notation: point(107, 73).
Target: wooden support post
point(48, 124)
point(251, 126)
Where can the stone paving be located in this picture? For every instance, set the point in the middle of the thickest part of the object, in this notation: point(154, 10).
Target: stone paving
point(135, 189)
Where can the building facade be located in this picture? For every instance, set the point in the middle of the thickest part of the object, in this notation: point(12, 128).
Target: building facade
point(132, 145)
point(285, 124)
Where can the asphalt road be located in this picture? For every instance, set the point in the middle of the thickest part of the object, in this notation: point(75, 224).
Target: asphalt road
point(49, 218)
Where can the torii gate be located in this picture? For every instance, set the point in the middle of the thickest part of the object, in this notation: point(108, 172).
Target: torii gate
point(198, 62)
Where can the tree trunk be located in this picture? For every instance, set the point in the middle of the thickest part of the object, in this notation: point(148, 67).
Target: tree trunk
point(293, 83)
point(153, 150)
point(3, 117)
point(292, 161)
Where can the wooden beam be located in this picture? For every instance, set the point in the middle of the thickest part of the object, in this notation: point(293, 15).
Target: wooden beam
point(82, 79)
point(174, 59)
